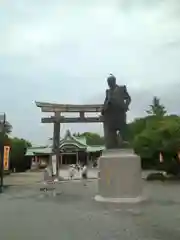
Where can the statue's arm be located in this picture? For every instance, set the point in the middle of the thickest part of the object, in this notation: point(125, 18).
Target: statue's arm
point(106, 98)
point(127, 97)
point(105, 103)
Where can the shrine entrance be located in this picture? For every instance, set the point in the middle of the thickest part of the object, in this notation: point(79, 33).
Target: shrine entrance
point(68, 158)
point(57, 119)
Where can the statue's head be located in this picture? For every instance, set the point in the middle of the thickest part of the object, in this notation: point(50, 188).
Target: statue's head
point(111, 80)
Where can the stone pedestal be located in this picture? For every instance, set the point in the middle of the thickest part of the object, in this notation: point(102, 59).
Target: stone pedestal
point(120, 177)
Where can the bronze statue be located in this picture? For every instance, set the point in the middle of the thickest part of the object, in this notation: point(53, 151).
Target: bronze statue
point(114, 110)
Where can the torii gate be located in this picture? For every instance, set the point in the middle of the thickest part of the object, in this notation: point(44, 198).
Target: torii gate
point(57, 119)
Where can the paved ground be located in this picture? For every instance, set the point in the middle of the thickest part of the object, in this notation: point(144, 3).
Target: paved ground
point(35, 177)
point(17, 179)
point(27, 213)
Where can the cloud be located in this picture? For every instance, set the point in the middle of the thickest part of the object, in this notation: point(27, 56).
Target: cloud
point(62, 51)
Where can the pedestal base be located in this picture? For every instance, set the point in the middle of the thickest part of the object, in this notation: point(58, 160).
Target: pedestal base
point(99, 198)
point(120, 177)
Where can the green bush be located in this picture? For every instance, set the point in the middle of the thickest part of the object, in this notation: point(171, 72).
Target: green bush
point(162, 135)
point(156, 133)
point(17, 154)
point(18, 149)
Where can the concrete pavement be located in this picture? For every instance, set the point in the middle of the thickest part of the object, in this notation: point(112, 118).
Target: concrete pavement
point(27, 213)
point(29, 177)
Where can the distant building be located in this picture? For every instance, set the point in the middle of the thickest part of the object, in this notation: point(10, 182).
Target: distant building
point(72, 150)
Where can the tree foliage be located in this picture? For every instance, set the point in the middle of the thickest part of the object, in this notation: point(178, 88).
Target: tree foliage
point(156, 108)
point(18, 148)
point(8, 128)
point(91, 138)
point(163, 135)
point(4, 140)
point(139, 124)
point(156, 133)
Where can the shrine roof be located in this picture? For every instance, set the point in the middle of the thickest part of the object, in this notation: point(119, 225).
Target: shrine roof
point(69, 139)
point(38, 150)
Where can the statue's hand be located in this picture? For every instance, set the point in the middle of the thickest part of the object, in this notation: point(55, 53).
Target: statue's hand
point(103, 110)
point(126, 107)
point(105, 107)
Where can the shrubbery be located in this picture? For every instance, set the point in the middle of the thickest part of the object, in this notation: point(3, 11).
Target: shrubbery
point(154, 134)
point(18, 149)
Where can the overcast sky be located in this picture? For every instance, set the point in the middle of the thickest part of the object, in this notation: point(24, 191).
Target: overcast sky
point(63, 51)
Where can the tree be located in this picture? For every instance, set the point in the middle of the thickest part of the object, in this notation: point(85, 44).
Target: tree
point(91, 138)
point(169, 131)
point(162, 135)
point(156, 109)
point(139, 125)
point(4, 139)
point(147, 143)
point(150, 121)
point(17, 154)
point(27, 143)
point(8, 128)
point(18, 148)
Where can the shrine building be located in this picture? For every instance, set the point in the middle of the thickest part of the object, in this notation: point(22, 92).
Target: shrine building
point(72, 149)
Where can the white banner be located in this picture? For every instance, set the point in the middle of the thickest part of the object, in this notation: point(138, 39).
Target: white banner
point(54, 162)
